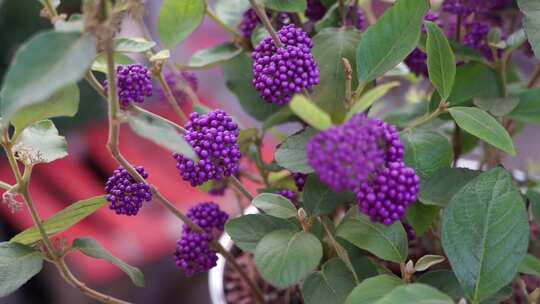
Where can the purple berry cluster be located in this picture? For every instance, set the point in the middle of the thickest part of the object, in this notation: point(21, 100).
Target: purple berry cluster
point(467, 7)
point(386, 196)
point(344, 156)
point(315, 10)
point(173, 79)
point(194, 253)
point(126, 195)
point(250, 21)
point(290, 195)
point(300, 181)
point(214, 138)
point(365, 156)
point(279, 73)
point(134, 84)
point(357, 21)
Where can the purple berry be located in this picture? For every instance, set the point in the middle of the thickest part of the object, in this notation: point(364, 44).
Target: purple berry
point(476, 38)
point(194, 253)
point(290, 195)
point(411, 234)
point(125, 195)
point(279, 73)
point(388, 193)
point(134, 83)
point(214, 138)
point(467, 7)
point(173, 79)
point(300, 181)
point(344, 156)
point(417, 62)
point(315, 10)
point(360, 18)
point(249, 22)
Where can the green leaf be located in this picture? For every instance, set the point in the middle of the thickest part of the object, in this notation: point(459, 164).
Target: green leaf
point(310, 113)
point(331, 45)
point(318, 199)
point(441, 60)
point(42, 142)
point(275, 205)
point(373, 289)
point(416, 293)
point(485, 233)
point(162, 55)
point(421, 217)
point(444, 281)
point(515, 40)
point(238, 75)
point(92, 248)
point(530, 265)
point(65, 102)
point(42, 66)
point(498, 106)
point(161, 133)
point(484, 126)
point(18, 264)
point(258, 35)
point(298, 6)
point(133, 45)
point(62, 220)
point(366, 100)
point(531, 22)
point(230, 11)
point(284, 257)
point(439, 189)
point(362, 264)
point(385, 44)
point(427, 152)
point(528, 108)
point(246, 231)
point(386, 242)
point(210, 57)
point(292, 154)
point(178, 19)
point(425, 262)
point(330, 285)
point(100, 63)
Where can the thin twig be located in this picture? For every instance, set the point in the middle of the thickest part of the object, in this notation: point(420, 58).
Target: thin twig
point(238, 185)
point(5, 185)
point(342, 12)
point(347, 69)
point(140, 110)
point(170, 96)
point(266, 22)
point(534, 78)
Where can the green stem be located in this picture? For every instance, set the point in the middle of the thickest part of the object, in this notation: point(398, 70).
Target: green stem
point(238, 185)
point(170, 97)
point(224, 25)
point(5, 185)
point(50, 8)
point(266, 22)
point(343, 12)
point(425, 119)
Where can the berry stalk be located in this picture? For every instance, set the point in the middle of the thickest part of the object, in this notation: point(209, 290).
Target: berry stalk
point(266, 22)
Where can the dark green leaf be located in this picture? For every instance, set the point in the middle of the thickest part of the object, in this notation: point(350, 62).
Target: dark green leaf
point(238, 78)
point(42, 66)
point(178, 19)
point(485, 233)
point(416, 293)
point(230, 11)
point(373, 289)
point(310, 113)
point(498, 106)
point(531, 22)
point(330, 285)
point(366, 100)
point(65, 102)
point(286, 5)
point(484, 126)
point(391, 39)
point(100, 63)
point(210, 57)
point(441, 60)
point(528, 108)
point(18, 264)
point(275, 205)
point(427, 152)
point(284, 257)
point(439, 189)
point(331, 45)
point(331, 19)
point(318, 199)
point(530, 265)
point(444, 281)
point(386, 242)
point(92, 248)
point(42, 142)
point(62, 220)
point(292, 154)
point(362, 264)
point(246, 231)
point(133, 45)
point(259, 34)
point(421, 217)
point(160, 132)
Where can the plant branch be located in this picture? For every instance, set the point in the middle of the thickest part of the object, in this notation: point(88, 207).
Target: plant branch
point(238, 185)
point(5, 186)
point(422, 120)
point(534, 78)
point(347, 69)
point(50, 9)
point(170, 96)
point(266, 22)
point(343, 12)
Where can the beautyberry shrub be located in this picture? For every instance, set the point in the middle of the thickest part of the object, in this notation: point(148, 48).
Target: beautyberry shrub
point(134, 83)
point(126, 195)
